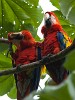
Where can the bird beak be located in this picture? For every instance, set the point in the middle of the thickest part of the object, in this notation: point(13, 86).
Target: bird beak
point(47, 19)
point(46, 16)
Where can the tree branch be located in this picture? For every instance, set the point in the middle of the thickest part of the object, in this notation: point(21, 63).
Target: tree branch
point(47, 59)
point(4, 40)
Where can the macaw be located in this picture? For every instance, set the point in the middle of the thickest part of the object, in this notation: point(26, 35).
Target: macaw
point(27, 52)
point(55, 40)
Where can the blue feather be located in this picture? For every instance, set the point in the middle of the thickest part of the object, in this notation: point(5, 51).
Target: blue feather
point(61, 38)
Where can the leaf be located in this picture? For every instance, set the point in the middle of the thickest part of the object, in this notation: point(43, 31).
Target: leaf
point(5, 63)
point(55, 93)
point(6, 83)
point(34, 2)
point(71, 84)
point(37, 38)
point(70, 61)
point(68, 9)
point(0, 14)
point(30, 28)
point(55, 3)
point(3, 47)
point(14, 13)
point(13, 93)
point(64, 91)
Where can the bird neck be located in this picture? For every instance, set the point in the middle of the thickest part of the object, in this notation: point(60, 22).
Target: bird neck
point(54, 28)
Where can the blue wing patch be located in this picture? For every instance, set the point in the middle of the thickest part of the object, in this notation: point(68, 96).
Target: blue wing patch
point(61, 38)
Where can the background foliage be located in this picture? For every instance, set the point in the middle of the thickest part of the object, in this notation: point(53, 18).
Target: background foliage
point(17, 15)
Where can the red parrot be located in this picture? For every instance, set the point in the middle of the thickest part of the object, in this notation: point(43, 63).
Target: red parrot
point(27, 52)
point(55, 40)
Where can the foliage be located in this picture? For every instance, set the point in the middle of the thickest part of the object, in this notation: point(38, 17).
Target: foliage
point(70, 61)
point(68, 9)
point(17, 15)
point(64, 91)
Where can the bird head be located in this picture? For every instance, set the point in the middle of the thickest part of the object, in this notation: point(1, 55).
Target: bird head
point(15, 37)
point(50, 19)
point(23, 38)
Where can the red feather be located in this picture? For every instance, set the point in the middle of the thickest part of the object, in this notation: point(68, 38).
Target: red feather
point(25, 53)
point(51, 45)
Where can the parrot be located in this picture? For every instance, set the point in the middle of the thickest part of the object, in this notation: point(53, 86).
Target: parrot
point(27, 51)
point(55, 40)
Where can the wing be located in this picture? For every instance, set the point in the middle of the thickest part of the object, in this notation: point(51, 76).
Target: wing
point(64, 40)
point(67, 39)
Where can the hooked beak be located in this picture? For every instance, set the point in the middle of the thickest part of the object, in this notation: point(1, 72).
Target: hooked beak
point(47, 19)
point(46, 16)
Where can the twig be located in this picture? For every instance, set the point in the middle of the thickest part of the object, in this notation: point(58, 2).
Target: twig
point(4, 40)
point(47, 59)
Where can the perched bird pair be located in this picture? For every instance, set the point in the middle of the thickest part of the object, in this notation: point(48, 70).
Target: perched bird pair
point(28, 50)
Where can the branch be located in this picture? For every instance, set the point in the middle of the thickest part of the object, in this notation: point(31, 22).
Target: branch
point(47, 59)
point(4, 40)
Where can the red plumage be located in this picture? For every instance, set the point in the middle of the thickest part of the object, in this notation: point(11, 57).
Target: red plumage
point(25, 53)
point(51, 45)
point(50, 41)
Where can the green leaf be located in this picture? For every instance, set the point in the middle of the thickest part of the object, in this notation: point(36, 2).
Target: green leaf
point(0, 14)
point(5, 63)
point(37, 38)
point(33, 12)
point(70, 61)
point(34, 2)
point(3, 47)
point(9, 18)
point(14, 13)
point(55, 93)
point(6, 83)
point(68, 9)
point(55, 3)
point(30, 28)
point(64, 91)
point(13, 93)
